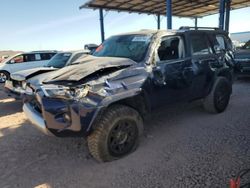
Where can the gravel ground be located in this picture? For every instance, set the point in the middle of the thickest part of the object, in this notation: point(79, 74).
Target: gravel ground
point(183, 146)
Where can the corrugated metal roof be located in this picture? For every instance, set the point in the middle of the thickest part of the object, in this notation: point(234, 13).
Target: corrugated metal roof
point(180, 8)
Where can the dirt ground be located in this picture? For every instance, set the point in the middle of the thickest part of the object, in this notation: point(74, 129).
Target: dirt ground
point(183, 146)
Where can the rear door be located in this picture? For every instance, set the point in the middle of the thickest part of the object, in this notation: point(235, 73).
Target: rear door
point(37, 60)
point(32, 60)
point(202, 60)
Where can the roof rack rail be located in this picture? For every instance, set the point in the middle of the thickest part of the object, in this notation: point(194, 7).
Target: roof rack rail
point(198, 28)
point(37, 51)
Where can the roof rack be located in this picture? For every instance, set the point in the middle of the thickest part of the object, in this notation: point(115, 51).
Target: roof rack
point(199, 28)
point(41, 51)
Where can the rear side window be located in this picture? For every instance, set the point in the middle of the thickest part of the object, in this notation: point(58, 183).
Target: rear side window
point(38, 57)
point(229, 44)
point(218, 43)
point(200, 44)
point(76, 56)
point(46, 56)
point(29, 57)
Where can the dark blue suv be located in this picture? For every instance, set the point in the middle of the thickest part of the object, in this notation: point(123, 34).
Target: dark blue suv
point(105, 97)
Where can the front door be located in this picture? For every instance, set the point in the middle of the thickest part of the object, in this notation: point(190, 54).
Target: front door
point(173, 73)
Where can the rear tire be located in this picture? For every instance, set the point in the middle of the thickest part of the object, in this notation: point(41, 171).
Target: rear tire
point(4, 75)
point(116, 134)
point(218, 99)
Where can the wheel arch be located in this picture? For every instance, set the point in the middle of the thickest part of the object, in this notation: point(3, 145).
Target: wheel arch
point(6, 72)
point(227, 74)
point(138, 102)
point(220, 73)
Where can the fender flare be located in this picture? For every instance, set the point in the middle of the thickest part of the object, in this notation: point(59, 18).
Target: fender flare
point(118, 98)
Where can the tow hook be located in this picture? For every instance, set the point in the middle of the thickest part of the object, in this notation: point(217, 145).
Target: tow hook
point(235, 182)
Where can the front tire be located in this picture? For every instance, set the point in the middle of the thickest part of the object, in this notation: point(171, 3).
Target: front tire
point(116, 134)
point(218, 99)
point(4, 76)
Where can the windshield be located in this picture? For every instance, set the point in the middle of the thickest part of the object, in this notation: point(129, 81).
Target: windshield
point(59, 60)
point(128, 46)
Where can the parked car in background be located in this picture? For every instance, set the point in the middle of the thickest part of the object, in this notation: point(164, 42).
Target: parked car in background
point(16, 85)
point(24, 61)
point(242, 59)
point(106, 97)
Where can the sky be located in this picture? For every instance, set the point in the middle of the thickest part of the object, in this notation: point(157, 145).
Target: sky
point(59, 24)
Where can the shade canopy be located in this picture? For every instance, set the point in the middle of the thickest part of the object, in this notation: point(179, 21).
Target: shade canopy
point(180, 8)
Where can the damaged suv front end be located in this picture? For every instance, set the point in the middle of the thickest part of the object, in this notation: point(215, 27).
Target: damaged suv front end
point(71, 99)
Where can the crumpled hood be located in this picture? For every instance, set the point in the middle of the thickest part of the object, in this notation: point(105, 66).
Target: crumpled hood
point(29, 73)
point(88, 66)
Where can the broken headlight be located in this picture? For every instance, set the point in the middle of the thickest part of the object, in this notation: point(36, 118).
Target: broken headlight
point(65, 92)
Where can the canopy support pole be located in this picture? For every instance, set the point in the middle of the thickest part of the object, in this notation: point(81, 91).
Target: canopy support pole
point(222, 14)
point(102, 24)
point(195, 22)
point(227, 20)
point(169, 13)
point(158, 21)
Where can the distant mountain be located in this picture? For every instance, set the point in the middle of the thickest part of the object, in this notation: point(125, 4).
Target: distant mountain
point(8, 53)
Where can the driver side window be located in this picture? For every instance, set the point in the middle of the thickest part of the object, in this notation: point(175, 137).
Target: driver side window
point(17, 59)
point(171, 48)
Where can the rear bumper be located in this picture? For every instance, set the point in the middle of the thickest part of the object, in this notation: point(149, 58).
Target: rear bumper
point(36, 119)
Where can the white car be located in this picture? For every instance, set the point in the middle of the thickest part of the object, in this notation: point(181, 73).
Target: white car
point(23, 61)
point(16, 86)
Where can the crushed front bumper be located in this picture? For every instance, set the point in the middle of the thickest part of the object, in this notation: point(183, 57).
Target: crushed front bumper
point(60, 117)
point(35, 118)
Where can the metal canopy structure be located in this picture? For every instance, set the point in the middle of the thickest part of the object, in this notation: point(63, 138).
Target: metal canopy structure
point(180, 8)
